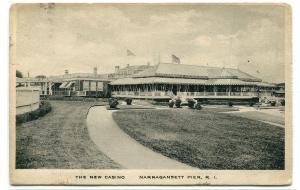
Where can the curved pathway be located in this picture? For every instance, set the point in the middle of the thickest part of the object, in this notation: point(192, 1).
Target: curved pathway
point(120, 147)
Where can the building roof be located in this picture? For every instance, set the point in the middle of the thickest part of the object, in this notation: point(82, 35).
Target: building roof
point(265, 84)
point(31, 79)
point(67, 77)
point(156, 80)
point(160, 80)
point(227, 82)
point(282, 84)
point(134, 67)
point(196, 72)
point(79, 75)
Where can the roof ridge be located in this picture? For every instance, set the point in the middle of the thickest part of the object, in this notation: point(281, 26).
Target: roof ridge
point(204, 66)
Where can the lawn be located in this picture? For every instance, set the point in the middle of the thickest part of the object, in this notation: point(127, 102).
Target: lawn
point(257, 115)
point(206, 139)
point(60, 139)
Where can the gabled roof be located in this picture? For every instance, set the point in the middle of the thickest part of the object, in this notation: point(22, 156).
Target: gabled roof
point(135, 67)
point(194, 71)
point(227, 82)
point(265, 84)
point(160, 80)
point(31, 79)
point(157, 80)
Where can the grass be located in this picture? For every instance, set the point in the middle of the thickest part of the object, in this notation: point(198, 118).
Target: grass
point(206, 139)
point(221, 108)
point(255, 115)
point(59, 140)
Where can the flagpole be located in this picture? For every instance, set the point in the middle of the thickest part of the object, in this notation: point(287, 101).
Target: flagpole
point(159, 57)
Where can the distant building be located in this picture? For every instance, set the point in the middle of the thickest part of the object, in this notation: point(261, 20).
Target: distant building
point(79, 84)
point(75, 84)
point(165, 80)
point(280, 90)
point(158, 82)
point(128, 70)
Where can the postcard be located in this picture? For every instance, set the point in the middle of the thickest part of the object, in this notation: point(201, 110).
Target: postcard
point(150, 94)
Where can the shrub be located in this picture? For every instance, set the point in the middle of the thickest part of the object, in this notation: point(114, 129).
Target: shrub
point(191, 103)
point(34, 115)
point(128, 101)
point(230, 104)
point(22, 118)
point(178, 103)
point(171, 104)
point(44, 108)
point(198, 106)
point(273, 103)
point(113, 103)
point(282, 102)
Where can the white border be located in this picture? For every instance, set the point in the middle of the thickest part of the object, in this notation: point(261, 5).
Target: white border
point(4, 169)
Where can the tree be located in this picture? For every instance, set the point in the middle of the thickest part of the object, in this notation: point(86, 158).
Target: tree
point(19, 74)
point(40, 77)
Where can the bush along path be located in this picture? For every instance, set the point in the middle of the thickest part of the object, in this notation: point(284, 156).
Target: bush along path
point(44, 108)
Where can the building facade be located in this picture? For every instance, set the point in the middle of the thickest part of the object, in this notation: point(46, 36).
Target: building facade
point(165, 81)
point(76, 84)
point(160, 82)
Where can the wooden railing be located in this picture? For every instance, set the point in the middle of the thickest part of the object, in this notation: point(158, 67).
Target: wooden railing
point(81, 93)
point(61, 93)
point(222, 93)
point(235, 93)
point(182, 94)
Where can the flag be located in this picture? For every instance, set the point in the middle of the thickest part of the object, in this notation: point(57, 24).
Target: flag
point(130, 53)
point(175, 59)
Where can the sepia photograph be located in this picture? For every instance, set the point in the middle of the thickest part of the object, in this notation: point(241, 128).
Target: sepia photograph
point(150, 94)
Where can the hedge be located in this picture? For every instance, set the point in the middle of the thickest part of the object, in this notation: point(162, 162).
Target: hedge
point(44, 108)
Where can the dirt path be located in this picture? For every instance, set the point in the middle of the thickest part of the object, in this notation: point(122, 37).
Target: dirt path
point(120, 147)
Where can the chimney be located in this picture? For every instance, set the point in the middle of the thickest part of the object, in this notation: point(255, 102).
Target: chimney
point(95, 70)
point(128, 65)
point(66, 71)
point(148, 63)
point(117, 68)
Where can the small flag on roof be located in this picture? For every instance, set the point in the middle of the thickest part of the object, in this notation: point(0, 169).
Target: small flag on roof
point(130, 53)
point(175, 59)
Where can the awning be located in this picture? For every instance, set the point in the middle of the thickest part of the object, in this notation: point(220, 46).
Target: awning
point(69, 84)
point(63, 85)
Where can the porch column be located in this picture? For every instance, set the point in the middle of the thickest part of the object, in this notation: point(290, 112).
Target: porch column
point(45, 88)
point(229, 91)
point(215, 90)
point(242, 91)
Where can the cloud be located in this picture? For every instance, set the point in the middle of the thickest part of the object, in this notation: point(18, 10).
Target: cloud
point(203, 41)
point(78, 37)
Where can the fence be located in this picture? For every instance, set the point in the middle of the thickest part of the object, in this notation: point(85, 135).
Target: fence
point(28, 99)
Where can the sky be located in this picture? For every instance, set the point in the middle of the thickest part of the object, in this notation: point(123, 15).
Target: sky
point(51, 38)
